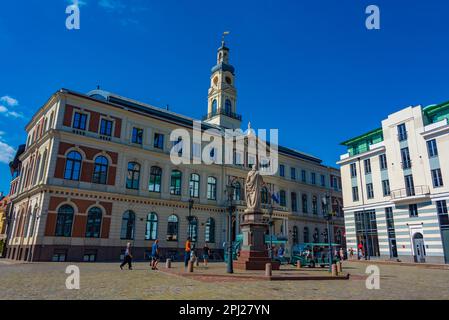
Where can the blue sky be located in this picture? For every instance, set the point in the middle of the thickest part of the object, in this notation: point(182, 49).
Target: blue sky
point(309, 68)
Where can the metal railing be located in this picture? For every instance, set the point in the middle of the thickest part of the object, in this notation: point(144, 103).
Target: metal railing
point(410, 192)
point(223, 112)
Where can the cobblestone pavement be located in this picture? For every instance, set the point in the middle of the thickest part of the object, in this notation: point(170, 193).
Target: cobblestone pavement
point(107, 281)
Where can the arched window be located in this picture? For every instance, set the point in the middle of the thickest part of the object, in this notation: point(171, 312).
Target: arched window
point(306, 235)
point(172, 228)
point(93, 226)
point(151, 227)
point(132, 180)
point(193, 229)
point(295, 235)
point(214, 106)
point(194, 185)
point(282, 198)
point(155, 179)
point(305, 206)
point(33, 223)
point(264, 195)
point(175, 183)
point(237, 191)
point(294, 202)
point(314, 205)
point(211, 188)
point(228, 107)
point(43, 166)
point(316, 235)
point(36, 169)
point(64, 221)
point(73, 166)
point(100, 170)
point(210, 230)
point(128, 225)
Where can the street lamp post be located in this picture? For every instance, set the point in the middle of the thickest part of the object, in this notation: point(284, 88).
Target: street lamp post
point(230, 192)
point(328, 220)
point(189, 218)
point(270, 212)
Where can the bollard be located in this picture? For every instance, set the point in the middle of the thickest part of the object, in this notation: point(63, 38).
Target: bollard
point(298, 264)
point(168, 264)
point(334, 270)
point(268, 270)
point(339, 267)
point(190, 266)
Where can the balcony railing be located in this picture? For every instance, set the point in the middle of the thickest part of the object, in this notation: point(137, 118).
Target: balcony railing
point(223, 112)
point(410, 192)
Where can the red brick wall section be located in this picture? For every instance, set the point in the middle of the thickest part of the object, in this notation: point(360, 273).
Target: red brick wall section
point(94, 121)
point(107, 206)
point(83, 204)
point(59, 170)
point(114, 156)
point(63, 147)
point(68, 113)
point(50, 225)
point(105, 226)
point(111, 175)
point(118, 127)
point(79, 226)
point(86, 171)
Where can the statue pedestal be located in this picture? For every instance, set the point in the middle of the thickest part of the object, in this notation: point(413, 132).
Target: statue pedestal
point(254, 253)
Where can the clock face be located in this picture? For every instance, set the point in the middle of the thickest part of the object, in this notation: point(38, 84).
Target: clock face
point(228, 80)
point(215, 80)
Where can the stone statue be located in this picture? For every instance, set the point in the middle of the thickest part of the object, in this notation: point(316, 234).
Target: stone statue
point(254, 183)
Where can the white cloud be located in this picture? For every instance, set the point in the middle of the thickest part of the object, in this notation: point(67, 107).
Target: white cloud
point(14, 114)
point(3, 109)
point(6, 152)
point(11, 102)
point(111, 4)
point(79, 3)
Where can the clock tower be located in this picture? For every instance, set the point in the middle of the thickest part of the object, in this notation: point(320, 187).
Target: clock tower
point(222, 97)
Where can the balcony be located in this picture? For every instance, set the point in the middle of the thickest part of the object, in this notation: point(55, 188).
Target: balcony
point(224, 113)
point(410, 195)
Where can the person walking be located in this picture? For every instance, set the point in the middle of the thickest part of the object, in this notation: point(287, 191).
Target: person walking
point(342, 254)
point(187, 251)
point(155, 255)
point(128, 257)
point(206, 254)
point(351, 253)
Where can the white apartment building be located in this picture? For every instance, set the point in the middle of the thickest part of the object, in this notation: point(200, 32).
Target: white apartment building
point(395, 182)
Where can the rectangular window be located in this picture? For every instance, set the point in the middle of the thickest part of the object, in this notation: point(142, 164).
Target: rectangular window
point(313, 178)
point(323, 180)
point(413, 210)
point(383, 162)
point(390, 222)
point(366, 232)
point(409, 185)
point(79, 121)
point(106, 127)
point(355, 194)
point(432, 148)
point(367, 164)
point(294, 202)
point(303, 176)
point(406, 162)
point(158, 141)
point(293, 173)
point(442, 214)
point(370, 190)
point(437, 178)
point(386, 187)
point(281, 170)
point(353, 170)
point(137, 136)
point(402, 132)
